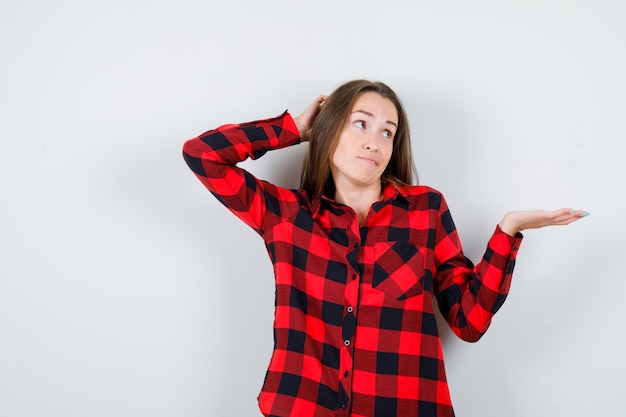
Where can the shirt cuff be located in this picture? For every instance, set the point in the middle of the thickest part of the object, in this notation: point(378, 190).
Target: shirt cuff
point(504, 243)
point(290, 128)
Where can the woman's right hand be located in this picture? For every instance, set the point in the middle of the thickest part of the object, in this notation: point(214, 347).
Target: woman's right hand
point(304, 122)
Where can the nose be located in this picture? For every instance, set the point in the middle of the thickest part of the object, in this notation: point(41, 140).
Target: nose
point(370, 143)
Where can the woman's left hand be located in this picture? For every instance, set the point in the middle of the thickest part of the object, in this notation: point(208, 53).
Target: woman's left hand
point(516, 221)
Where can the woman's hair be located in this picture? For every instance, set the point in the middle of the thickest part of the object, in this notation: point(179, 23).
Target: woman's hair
point(326, 130)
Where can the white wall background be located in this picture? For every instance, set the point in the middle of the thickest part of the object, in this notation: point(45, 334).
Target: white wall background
point(127, 290)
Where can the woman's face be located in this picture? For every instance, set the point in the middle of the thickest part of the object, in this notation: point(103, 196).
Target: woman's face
point(366, 142)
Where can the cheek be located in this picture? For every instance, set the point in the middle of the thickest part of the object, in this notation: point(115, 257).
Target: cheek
point(335, 159)
point(388, 152)
point(339, 153)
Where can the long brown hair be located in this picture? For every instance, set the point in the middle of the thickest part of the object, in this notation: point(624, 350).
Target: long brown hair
point(327, 127)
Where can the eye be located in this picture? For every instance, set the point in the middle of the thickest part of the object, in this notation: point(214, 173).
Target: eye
point(360, 124)
point(387, 134)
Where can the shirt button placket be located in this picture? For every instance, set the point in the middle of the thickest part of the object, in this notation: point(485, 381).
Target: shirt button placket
point(349, 325)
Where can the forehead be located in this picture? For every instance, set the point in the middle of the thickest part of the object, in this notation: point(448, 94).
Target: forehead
point(376, 105)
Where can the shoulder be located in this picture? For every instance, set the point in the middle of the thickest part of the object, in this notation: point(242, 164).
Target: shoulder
point(423, 196)
point(418, 190)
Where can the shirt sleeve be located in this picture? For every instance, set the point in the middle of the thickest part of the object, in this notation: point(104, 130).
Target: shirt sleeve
point(468, 295)
point(213, 156)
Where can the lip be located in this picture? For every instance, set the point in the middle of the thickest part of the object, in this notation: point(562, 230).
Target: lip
point(368, 160)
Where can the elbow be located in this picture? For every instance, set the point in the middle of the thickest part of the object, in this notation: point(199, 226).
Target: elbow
point(468, 331)
point(194, 163)
point(469, 334)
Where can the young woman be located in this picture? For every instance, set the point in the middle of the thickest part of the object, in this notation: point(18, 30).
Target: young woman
point(360, 255)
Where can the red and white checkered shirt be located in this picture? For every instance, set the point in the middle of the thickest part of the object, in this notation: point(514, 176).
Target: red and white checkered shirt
point(355, 330)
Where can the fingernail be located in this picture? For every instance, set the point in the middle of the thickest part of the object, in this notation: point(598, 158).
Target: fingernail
point(585, 214)
point(572, 211)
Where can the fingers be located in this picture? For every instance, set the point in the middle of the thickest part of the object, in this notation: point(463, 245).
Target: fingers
point(566, 216)
point(517, 221)
point(318, 101)
point(574, 215)
point(579, 213)
point(315, 106)
point(304, 121)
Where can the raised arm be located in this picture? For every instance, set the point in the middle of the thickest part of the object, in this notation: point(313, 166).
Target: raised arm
point(213, 156)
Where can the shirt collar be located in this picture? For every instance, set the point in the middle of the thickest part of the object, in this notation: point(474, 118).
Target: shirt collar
point(390, 192)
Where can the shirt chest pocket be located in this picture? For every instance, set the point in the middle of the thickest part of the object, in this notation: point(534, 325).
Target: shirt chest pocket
point(398, 269)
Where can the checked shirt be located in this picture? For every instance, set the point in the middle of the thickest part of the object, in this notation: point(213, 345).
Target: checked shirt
point(354, 327)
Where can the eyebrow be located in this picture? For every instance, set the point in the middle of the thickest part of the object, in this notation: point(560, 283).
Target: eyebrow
point(371, 115)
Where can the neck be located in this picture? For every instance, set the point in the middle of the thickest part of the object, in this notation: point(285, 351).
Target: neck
point(360, 200)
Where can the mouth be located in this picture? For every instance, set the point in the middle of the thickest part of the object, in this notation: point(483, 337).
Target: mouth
point(368, 160)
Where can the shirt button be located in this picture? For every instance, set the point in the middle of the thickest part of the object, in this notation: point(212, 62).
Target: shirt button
point(346, 373)
point(344, 406)
point(356, 245)
point(346, 342)
point(350, 309)
point(353, 276)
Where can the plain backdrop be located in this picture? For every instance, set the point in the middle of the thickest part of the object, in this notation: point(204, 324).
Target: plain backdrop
point(127, 290)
